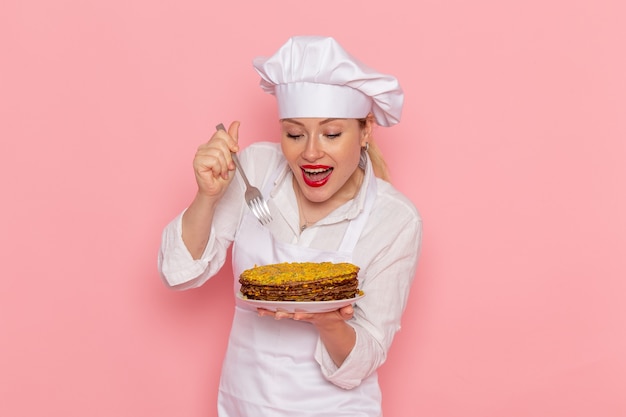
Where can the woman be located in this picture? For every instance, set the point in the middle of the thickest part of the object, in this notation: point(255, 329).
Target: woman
point(327, 205)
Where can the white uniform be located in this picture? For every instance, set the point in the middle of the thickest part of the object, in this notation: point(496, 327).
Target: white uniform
point(280, 367)
point(269, 369)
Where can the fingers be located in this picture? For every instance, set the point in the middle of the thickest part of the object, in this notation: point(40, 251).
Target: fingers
point(278, 315)
point(213, 163)
point(344, 313)
point(227, 143)
point(210, 159)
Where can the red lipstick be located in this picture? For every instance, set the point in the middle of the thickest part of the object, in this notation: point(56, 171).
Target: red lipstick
point(316, 175)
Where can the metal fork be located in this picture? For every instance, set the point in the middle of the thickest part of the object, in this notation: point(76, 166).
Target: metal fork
point(253, 196)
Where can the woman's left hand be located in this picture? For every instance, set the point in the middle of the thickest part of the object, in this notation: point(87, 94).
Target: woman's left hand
point(337, 335)
point(342, 314)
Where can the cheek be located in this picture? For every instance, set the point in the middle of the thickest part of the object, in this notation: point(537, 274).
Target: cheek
point(288, 149)
point(291, 153)
point(350, 162)
point(353, 156)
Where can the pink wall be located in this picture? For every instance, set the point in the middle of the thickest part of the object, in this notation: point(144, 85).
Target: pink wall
point(512, 146)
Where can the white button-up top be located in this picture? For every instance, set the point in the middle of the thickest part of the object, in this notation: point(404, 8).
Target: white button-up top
point(388, 247)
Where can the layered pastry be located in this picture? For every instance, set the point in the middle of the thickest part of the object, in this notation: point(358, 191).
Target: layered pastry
point(301, 281)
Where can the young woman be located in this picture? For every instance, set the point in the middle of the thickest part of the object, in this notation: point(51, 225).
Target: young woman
point(330, 200)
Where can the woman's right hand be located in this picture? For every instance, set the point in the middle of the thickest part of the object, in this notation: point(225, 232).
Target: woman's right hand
point(213, 165)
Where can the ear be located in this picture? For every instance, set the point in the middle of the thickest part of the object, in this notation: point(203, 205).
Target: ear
point(366, 133)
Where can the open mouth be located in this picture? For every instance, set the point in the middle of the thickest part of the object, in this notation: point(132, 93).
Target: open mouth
point(316, 176)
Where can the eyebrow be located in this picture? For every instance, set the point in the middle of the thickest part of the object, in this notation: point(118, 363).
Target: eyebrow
point(322, 122)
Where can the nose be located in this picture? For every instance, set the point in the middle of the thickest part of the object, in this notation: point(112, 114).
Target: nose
point(312, 149)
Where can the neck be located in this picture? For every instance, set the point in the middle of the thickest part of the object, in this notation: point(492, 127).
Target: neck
point(304, 223)
point(312, 212)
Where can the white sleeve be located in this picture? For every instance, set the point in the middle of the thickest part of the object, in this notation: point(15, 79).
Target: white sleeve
point(177, 267)
point(377, 316)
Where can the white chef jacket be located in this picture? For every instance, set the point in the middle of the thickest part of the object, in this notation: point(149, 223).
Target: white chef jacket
point(387, 253)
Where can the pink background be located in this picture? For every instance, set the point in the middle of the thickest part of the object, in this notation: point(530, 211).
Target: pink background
point(512, 146)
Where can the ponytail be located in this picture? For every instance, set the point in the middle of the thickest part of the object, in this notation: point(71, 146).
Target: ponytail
point(378, 162)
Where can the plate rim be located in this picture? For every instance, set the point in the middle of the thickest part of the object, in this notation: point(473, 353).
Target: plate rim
point(300, 306)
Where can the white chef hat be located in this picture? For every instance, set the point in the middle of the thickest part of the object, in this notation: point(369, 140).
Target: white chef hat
point(313, 76)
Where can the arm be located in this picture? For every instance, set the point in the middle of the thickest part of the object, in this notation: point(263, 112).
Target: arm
point(386, 283)
point(213, 169)
point(353, 342)
point(337, 336)
point(192, 247)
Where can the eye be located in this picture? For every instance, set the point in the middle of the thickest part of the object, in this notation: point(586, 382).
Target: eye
point(333, 135)
point(293, 136)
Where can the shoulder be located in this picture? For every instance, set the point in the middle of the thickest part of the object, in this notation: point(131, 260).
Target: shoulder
point(392, 204)
point(265, 155)
point(262, 149)
point(260, 160)
point(392, 234)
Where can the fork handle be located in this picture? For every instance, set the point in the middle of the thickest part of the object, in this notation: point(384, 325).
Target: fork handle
point(238, 165)
point(235, 158)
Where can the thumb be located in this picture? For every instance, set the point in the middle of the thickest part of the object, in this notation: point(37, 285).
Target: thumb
point(233, 131)
point(346, 312)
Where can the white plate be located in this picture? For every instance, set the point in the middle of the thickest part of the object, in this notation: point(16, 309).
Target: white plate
point(300, 306)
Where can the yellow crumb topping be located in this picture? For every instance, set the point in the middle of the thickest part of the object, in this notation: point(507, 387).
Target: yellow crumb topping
point(297, 272)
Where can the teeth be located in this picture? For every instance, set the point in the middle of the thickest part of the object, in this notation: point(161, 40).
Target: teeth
point(316, 171)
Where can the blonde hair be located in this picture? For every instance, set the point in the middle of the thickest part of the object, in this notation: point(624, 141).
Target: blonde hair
point(378, 162)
